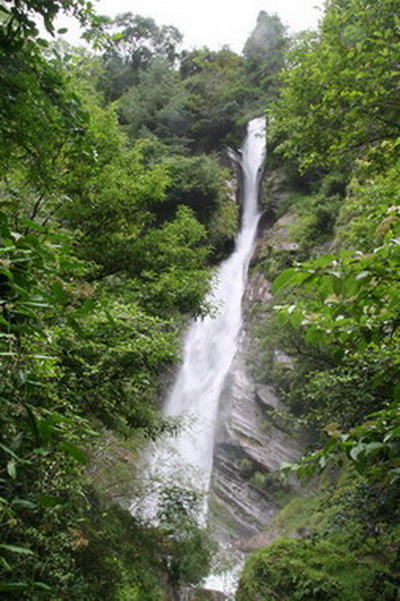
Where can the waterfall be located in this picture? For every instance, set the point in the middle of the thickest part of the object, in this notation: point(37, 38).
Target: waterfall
point(209, 347)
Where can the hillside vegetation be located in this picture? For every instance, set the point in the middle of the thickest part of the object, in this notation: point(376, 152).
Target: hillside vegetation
point(335, 129)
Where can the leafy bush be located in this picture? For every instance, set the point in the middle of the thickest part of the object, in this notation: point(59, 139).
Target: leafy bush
point(307, 570)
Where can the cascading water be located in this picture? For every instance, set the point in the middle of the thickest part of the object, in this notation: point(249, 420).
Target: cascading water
point(209, 347)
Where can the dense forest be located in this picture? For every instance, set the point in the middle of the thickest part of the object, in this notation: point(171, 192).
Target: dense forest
point(116, 204)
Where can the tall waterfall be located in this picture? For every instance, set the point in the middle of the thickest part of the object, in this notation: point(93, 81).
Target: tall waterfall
point(210, 345)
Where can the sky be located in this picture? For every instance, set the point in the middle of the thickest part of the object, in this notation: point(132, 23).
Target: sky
point(211, 23)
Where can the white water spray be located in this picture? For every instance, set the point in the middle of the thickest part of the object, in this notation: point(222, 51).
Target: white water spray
point(209, 348)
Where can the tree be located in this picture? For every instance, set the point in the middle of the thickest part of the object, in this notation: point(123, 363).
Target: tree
point(77, 354)
point(349, 312)
point(18, 20)
point(157, 105)
point(264, 53)
point(44, 126)
point(340, 99)
point(216, 95)
point(135, 42)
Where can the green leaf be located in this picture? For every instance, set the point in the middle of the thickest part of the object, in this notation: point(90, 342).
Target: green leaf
point(60, 294)
point(86, 308)
point(337, 285)
point(289, 276)
point(356, 451)
point(23, 504)
point(287, 466)
point(395, 433)
point(15, 549)
point(14, 586)
point(9, 451)
point(75, 326)
point(49, 501)
point(32, 224)
point(74, 451)
point(42, 586)
point(4, 563)
point(313, 335)
point(12, 468)
point(33, 425)
point(371, 447)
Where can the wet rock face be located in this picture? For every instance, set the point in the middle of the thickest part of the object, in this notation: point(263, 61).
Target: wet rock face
point(258, 289)
point(254, 436)
point(249, 450)
point(211, 596)
point(266, 398)
point(201, 595)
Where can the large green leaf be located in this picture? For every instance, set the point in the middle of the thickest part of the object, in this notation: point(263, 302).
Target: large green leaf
point(16, 549)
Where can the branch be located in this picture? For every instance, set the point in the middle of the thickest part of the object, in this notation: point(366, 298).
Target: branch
point(307, 353)
point(37, 206)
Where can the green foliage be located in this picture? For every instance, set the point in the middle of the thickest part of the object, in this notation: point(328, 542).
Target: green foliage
point(19, 24)
point(352, 318)
point(338, 101)
point(337, 315)
point(304, 515)
point(190, 548)
point(172, 264)
point(316, 219)
point(118, 556)
point(348, 549)
point(111, 362)
point(135, 43)
point(42, 459)
point(198, 182)
point(156, 105)
point(223, 227)
point(205, 103)
point(113, 209)
point(306, 570)
point(371, 211)
point(357, 300)
point(44, 124)
point(264, 55)
point(41, 436)
point(217, 93)
point(93, 282)
point(268, 482)
point(342, 310)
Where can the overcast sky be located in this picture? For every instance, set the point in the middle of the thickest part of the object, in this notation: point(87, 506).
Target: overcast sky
point(212, 23)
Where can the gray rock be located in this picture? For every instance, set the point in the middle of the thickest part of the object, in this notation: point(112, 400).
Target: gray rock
point(282, 358)
point(266, 398)
point(242, 436)
point(201, 595)
point(258, 290)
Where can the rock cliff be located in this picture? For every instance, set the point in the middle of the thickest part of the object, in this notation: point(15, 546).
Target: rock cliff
point(253, 437)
